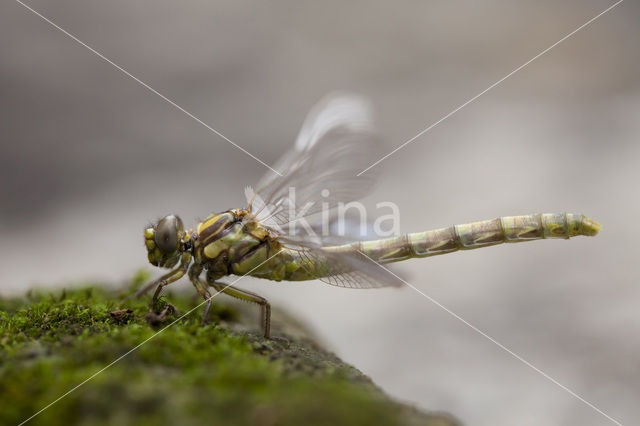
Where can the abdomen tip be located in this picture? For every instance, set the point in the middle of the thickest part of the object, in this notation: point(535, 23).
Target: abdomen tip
point(590, 227)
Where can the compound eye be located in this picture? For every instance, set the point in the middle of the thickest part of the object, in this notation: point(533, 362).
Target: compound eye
point(167, 234)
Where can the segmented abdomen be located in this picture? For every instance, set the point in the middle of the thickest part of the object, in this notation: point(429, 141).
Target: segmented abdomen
point(508, 229)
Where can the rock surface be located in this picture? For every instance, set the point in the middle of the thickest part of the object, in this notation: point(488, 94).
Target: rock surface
point(220, 373)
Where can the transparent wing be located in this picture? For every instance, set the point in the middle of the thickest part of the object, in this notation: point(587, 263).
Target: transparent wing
point(348, 270)
point(336, 142)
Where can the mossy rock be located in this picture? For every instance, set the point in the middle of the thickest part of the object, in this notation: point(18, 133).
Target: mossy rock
point(220, 373)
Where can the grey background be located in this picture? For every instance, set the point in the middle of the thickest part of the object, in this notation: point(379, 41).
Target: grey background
point(89, 157)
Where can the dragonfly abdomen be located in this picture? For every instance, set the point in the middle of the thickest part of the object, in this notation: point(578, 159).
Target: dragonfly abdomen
point(507, 229)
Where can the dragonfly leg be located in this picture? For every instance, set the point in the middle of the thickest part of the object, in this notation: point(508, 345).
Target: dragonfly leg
point(151, 285)
point(177, 274)
point(250, 297)
point(201, 288)
point(166, 279)
point(171, 277)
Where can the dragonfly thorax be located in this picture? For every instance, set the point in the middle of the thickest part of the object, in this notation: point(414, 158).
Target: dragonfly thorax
point(226, 240)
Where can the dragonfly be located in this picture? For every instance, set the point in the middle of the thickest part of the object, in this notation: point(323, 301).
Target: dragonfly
point(335, 142)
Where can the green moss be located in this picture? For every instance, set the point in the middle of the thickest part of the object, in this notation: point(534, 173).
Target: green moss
point(186, 374)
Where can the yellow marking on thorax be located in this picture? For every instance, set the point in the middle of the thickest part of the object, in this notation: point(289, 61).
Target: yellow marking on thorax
point(233, 236)
point(213, 250)
point(211, 221)
point(204, 225)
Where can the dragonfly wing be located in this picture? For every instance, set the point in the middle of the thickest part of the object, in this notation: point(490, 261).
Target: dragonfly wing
point(344, 269)
point(336, 142)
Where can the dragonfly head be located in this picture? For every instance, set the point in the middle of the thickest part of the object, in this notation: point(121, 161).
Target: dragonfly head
point(165, 241)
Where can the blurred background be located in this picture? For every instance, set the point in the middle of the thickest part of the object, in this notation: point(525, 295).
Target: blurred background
point(89, 157)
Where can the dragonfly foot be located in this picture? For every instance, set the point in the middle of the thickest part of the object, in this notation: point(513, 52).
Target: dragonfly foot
point(159, 318)
point(205, 314)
